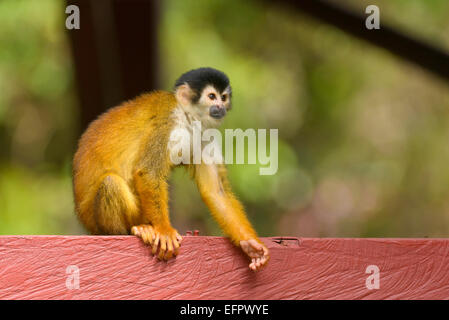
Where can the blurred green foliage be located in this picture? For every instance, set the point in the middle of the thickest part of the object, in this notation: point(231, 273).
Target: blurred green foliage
point(363, 136)
point(38, 117)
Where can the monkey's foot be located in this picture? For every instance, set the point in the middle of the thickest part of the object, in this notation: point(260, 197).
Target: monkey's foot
point(257, 252)
point(167, 240)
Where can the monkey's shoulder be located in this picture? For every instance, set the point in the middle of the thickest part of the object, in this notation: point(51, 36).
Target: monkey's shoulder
point(129, 121)
point(155, 103)
point(147, 106)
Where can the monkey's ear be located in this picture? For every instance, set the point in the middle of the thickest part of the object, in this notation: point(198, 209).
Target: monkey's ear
point(184, 94)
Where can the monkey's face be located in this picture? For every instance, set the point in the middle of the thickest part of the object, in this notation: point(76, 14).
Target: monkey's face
point(213, 105)
point(204, 94)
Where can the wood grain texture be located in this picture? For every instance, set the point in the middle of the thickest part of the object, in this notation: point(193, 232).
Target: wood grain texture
point(34, 267)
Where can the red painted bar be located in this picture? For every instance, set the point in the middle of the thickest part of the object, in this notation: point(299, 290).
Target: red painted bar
point(110, 267)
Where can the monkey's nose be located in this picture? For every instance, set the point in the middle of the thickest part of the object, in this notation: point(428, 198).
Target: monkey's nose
point(217, 112)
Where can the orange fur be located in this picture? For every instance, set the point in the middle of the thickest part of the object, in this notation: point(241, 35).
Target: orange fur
point(216, 192)
point(122, 165)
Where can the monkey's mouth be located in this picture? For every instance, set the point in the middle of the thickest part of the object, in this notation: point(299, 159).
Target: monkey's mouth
point(217, 112)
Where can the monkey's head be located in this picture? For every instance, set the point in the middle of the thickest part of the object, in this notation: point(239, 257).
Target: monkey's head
point(205, 93)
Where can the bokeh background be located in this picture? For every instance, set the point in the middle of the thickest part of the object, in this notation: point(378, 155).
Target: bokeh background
point(363, 135)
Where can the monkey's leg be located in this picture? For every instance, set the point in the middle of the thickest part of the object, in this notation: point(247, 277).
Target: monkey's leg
point(156, 229)
point(229, 213)
point(114, 206)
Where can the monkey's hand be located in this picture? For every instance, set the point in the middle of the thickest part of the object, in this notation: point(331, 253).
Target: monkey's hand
point(167, 240)
point(257, 252)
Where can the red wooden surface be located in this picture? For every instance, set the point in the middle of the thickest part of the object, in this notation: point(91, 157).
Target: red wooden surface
point(34, 267)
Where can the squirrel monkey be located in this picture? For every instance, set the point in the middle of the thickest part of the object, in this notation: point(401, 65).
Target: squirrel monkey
point(122, 164)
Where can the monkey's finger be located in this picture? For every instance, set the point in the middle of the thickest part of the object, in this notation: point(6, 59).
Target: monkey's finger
point(175, 246)
point(162, 248)
point(169, 253)
point(155, 244)
point(144, 235)
point(252, 265)
point(264, 251)
point(266, 254)
point(179, 238)
point(135, 231)
point(258, 263)
point(149, 235)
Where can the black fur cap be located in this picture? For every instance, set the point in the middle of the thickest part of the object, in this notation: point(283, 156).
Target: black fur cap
point(198, 79)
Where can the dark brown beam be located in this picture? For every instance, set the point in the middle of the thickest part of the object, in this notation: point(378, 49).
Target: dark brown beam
point(115, 52)
point(423, 54)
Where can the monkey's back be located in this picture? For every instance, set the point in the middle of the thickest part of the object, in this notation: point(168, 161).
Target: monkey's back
point(118, 140)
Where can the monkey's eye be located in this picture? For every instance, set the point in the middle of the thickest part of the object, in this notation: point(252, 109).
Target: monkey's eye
point(223, 98)
point(212, 96)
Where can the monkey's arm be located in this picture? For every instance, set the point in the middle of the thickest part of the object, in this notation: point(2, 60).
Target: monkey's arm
point(216, 192)
point(155, 228)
